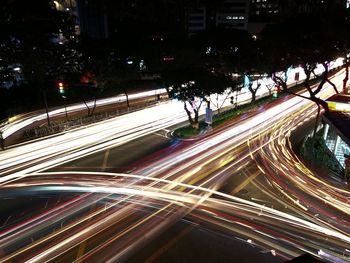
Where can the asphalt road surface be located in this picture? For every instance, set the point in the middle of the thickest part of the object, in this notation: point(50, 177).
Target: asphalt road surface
point(242, 181)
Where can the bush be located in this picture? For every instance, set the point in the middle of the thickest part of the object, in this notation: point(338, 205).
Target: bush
point(317, 153)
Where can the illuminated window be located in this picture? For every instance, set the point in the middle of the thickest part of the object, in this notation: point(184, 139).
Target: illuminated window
point(233, 17)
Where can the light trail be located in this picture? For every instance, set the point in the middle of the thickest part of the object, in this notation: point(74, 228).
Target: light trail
point(21, 122)
point(222, 210)
point(206, 164)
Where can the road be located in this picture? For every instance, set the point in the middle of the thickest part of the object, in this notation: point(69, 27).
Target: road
point(117, 214)
point(24, 121)
point(77, 143)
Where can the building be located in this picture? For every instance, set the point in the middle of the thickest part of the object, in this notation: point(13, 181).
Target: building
point(233, 14)
point(69, 6)
point(196, 20)
point(93, 18)
point(336, 127)
point(90, 15)
point(230, 14)
point(263, 10)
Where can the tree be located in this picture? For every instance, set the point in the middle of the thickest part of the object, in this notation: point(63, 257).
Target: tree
point(225, 87)
point(310, 45)
point(118, 76)
point(340, 28)
point(218, 85)
point(183, 87)
point(39, 39)
point(251, 66)
point(193, 86)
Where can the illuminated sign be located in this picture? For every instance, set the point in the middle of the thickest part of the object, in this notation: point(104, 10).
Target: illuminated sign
point(338, 106)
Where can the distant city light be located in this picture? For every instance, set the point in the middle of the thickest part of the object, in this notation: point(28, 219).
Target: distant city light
point(142, 65)
point(234, 17)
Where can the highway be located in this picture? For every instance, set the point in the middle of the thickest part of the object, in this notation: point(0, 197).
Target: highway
point(78, 143)
point(113, 215)
point(20, 122)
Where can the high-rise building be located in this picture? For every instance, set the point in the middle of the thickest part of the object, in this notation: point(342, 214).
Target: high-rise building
point(233, 14)
point(90, 15)
point(69, 6)
point(263, 10)
point(271, 10)
point(290, 7)
point(196, 20)
point(93, 18)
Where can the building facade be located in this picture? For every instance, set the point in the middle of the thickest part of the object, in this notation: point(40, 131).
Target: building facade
point(233, 14)
point(196, 20)
point(263, 10)
point(90, 15)
point(69, 6)
point(336, 127)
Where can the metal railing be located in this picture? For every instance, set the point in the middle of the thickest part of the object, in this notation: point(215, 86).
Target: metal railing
point(61, 126)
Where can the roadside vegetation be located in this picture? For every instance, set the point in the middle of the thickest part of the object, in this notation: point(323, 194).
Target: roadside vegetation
point(219, 119)
point(315, 152)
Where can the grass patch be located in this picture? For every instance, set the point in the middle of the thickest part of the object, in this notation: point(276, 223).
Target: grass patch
point(227, 115)
point(218, 119)
point(188, 131)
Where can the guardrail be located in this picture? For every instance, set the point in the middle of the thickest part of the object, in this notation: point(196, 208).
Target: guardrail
point(57, 127)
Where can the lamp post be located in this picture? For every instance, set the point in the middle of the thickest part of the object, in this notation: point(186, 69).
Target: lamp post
point(46, 108)
point(65, 107)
